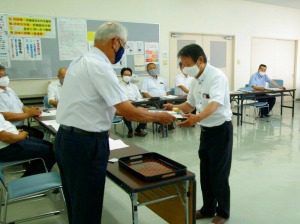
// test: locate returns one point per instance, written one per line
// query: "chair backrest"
(278, 82)
(172, 92)
(46, 104)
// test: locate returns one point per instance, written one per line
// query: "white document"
(17, 49)
(4, 51)
(273, 89)
(141, 100)
(33, 49)
(175, 114)
(139, 63)
(131, 47)
(139, 49)
(169, 97)
(3, 22)
(91, 45)
(72, 38)
(52, 123)
(48, 113)
(116, 144)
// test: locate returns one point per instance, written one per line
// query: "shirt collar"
(124, 83)
(204, 73)
(100, 53)
(2, 90)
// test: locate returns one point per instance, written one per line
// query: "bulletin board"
(35, 47)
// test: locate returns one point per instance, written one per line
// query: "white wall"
(232, 17)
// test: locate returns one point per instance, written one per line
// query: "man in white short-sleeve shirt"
(13, 109)
(154, 85)
(210, 89)
(54, 88)
(133, 93)
(90, 98)
(182, 82)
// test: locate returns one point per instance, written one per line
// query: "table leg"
(293, 109)
(281, 104)
(134, 204)
(186, 201)
(238, 110)
(242, 108)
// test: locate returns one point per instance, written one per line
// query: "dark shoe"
(140, 133)
(267, 115)
(200, 216)
(171, 127)
(130, 134)
(218, 220)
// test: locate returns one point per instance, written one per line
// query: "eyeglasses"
(124, 43)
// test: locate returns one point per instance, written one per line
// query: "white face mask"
(126, 78)
(261, 73)
(4, 81)
(192, 71)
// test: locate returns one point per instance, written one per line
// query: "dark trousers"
(82, 160)
(271, 101)
(139, 127)
(215, 154)
(33, 132)
(29, 149)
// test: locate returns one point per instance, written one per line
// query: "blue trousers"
(129, 125)
(215, 154)
(82, 160)
(29, 149)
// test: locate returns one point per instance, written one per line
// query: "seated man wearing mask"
(258, 82)
(54, 88)
(13, 109)
(133, 93)
(154, 86)
(16, 145)
(182, 82)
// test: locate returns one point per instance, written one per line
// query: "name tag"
(206, 96)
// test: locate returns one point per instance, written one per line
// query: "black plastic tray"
(160, 167)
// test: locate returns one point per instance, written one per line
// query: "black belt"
(83, 132)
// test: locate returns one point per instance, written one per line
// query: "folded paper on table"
(52, 123)
(169, 97)
(48, 113)
(116, 144)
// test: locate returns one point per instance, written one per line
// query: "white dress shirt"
(91, 89)
(155, 87)
(182, 80)
(10, 102)
(212, 86)
(54, 90)
(7, 127)
(131, 91)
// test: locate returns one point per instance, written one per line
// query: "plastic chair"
(28, 188)
(46, 103)
(256, 105)
(172, 92)
(119, 120)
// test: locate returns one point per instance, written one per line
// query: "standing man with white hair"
(90, 98)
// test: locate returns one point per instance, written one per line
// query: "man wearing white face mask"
(13, 109)
(154, 85)
(54, 88)
(258, 82)
(133, 93)
(182, 82)
(209, 89)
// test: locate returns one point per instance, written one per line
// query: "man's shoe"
(200, 216)
(218, 220)
(140, 133)
(130, 134)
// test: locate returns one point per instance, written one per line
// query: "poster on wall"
(31, 26)
(91, 37)
(122, 63)
(72, 38)
(4, 51)
(139, 63)
(152, 52)
(16, 46)
(33, 49)
(3, 22)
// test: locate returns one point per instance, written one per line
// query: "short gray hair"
(110, 30)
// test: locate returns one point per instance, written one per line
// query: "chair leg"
(5, 208)
(115, 128)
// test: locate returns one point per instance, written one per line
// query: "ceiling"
(285, 3)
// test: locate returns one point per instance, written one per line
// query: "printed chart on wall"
(4, 50)
(72, 38)
(31, 26)
(151, 52)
